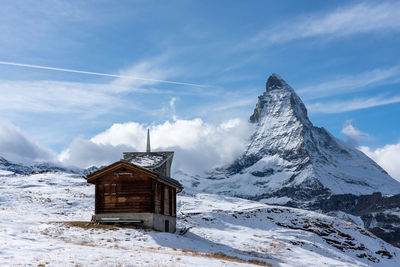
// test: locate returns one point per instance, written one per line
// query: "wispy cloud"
(235, 104)
(135, 76)
(355, 19)
(88, 99)
(56, 97)
(351, 83)
(354, 136)
(354, 104)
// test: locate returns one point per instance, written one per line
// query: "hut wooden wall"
(123, 194)
(137, 193)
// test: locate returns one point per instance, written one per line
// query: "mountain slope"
(44, 221)
(288, 160)
(10, 168)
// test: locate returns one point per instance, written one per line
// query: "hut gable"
(120, 169)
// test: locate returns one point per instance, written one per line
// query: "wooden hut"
(137, 190)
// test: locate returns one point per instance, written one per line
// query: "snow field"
(44, 219)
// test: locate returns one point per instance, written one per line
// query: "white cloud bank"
(198, 145)
(388, 157)
(15, 146)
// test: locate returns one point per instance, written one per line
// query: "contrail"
(97, 73)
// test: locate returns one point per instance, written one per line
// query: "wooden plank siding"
(122, 190)
(166, 200)
(133, 196)
(173, 202)
(121, 193)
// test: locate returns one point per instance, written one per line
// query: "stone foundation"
(154, 221)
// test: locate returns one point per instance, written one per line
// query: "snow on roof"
(147, 160)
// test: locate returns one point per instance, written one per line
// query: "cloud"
(244, 102)
(85, 153)
(15, 146)
(198, 145)
(56, 97)
(88, 99)
(354, 136)
(172, 108)
(345, 21)
(354, 104)
(351, 83)
(388, 157)
(136, 75)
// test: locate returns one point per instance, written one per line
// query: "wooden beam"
(153, 188)
(162, 198)
(170, 200)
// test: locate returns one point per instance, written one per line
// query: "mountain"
(290, 161)
(10, 167)
(17, 168)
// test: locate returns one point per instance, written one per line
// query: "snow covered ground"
(43, 220)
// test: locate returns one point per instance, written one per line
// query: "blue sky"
(342, 58)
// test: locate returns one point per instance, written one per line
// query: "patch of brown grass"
(222, 256)
(88, 225)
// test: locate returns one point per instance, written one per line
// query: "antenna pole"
(148, 141)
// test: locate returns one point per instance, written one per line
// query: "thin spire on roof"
(148, 141)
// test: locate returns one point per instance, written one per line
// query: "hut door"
(166, 226)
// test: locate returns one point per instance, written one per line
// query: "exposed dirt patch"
(222, 256)
(88, 225)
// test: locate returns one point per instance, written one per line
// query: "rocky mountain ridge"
(290, 161)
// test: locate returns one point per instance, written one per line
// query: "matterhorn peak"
(279, 100)
(290, 159)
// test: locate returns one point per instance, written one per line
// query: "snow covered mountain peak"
(279, 98)
(288, 160)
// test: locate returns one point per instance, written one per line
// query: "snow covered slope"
(288, 159)
(42, 222)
